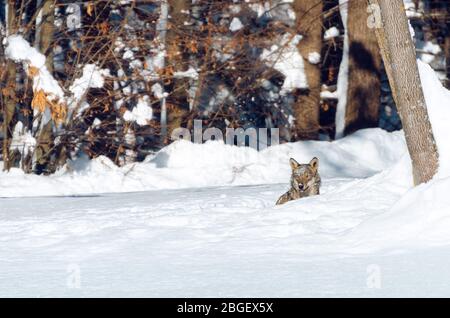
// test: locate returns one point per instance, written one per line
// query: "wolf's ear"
(314, 163)
(294, 164)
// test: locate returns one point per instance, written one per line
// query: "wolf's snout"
(301, 186)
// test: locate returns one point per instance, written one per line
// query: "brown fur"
(305, 181)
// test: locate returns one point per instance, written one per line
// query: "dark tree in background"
(178, 37)
(8, 89)
(363, 95)
(307, 106)
(44, 33)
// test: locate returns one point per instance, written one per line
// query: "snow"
(22, 140)
(184, 164)
(92, 77)
(204, 223)
(428, 51)
(286, 59)
(128, 55)
(438, 105)
(158, 91)
(19, 50)
(236, 25)
(280, 9)
(220, 242)
(420, 218)
(411, 10)
(259, 8)
(189, 73)
(329, 95)
(411, 31)
(73, 19)
(331, 33)
(97, 122)
(141, 113)
(314, 58)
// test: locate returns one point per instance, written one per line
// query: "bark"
(447, 54)
(178, 101)
(307, 106)
(363, 94)
(9, 96)
(47, 30)
(45, 138)
(161, 29)
(447, 45)
(398, 50)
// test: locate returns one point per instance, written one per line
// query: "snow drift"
(184, 165)
(421, 217)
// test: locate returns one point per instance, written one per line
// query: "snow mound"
(184, 164)
(421, 217)
(438, 105)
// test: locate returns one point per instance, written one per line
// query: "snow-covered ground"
(224, 241)
(205, 223)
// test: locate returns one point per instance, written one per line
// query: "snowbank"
(438, 105)
(184, 164)
(421, 217)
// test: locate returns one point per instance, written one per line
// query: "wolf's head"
(304, 175)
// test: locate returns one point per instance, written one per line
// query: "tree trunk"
(177, 101)
(47, 29)
(307, 106)
(447, 60)
(447, 52)
(45, 138)
(9, 95)
(161, 29)
(363, 95)
(398, 50)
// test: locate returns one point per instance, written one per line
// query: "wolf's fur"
(305, 181)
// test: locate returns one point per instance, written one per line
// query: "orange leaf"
(39, 101)
(32, 71)
(90, 9)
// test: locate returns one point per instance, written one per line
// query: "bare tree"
(307, 107)
(363, 94)
(178, 104)
(44, 147)
(447, 48)
(447, 57)
(9, 92)
(399, 58)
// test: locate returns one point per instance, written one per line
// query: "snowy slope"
(208, 242)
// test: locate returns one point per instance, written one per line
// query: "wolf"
(305, 181)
